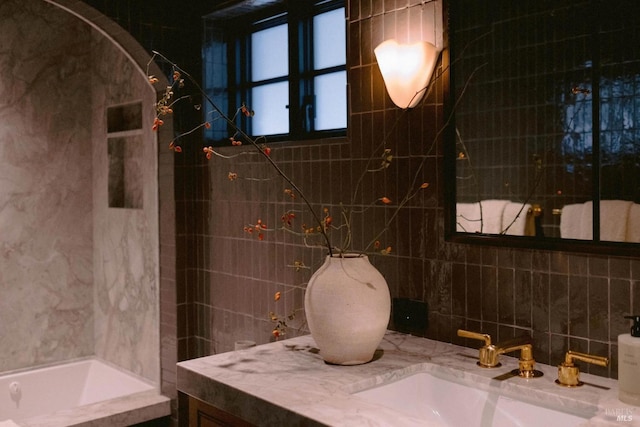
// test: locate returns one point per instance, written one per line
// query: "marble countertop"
(288, 383)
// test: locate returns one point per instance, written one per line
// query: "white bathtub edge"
(126, 410)
(62, 363)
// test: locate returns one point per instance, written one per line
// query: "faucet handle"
(569, 373)
(487, 355)
(476, 336)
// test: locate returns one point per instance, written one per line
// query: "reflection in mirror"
(546, 118)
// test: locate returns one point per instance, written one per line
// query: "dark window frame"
(235, 35)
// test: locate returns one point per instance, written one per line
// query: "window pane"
(329, 39)
(331, 101)
(269, 53)
(270, 104)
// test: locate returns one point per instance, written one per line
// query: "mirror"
(543, 146)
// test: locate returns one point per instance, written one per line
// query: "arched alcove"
(80, 275)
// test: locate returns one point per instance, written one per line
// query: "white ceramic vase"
(347, 305)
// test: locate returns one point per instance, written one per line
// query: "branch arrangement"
(379, 161)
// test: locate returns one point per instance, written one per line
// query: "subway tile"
(635, 269)
(489, 256)
(474, 292)
(559, 304)
(474, 255)
(540, 261)
(541, 346)
(365, 8)
(598, 308)
(620, 268)
(578, 265)
(613, 361)
(505, 332)
(540, 302)
(598, 348)
(619, 306)
(598, 266)
(578, 306)
(558, 346)
(506, 296)
(523, 295)
(635, 297)
(489, 294)
(559, 263)
(505, 258)
(354, 11)
(458, 289)
(490, 328)
(523, 260)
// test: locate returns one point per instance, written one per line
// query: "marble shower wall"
(77, 278)
(46, 218)
(125, 238)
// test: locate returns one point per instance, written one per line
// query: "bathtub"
(80, 393)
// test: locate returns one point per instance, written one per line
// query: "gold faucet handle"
(476, 336)
(569, 373)
(588, 358)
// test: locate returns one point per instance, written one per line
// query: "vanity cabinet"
(204, 415)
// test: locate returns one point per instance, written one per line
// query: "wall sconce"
(406, 70)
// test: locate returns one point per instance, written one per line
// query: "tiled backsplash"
(567, 301)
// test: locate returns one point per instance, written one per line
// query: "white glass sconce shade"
(406, 70)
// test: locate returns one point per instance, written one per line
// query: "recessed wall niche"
(124, 128)
(124, 117)
(125, 172)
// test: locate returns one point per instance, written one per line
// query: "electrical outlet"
(410, 316)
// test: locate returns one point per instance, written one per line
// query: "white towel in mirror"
(517, 219)
(571, 221)
(633, 224)
(487, 217)
(576, 221)
(468, 217)
(492, 211)
(586, 222)
(614, 215)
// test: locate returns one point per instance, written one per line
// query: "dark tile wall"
(565, 300)
(234, 288)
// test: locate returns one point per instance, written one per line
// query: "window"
(268, 81)
(330, 80)
(286, 64)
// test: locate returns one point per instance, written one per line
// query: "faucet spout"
(489, 354)
(526, 362)
(524, 344)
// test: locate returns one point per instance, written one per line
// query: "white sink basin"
(445, 402)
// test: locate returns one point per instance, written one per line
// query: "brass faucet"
(489, 354)
(569, 373)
